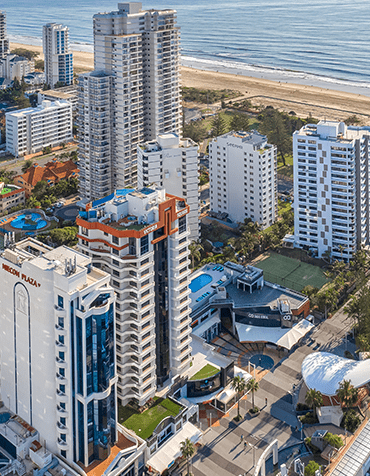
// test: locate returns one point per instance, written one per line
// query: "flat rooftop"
(267, 296)
(203, 354)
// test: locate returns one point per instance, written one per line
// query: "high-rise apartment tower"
(331, 188)
(140, 50)
(58, 58)
(141, 238)
(4, 42)
(57, 351)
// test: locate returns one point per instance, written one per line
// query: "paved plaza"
(222, 452)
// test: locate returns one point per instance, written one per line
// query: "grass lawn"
(291, 273)
(143, 424)
(206, 372)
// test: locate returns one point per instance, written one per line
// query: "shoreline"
(304, 99)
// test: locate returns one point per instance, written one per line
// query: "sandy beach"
(302, 99)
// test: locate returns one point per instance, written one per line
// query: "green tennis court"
(291, 273)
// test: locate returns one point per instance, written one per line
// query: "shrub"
(254, 410)
(351, 421)
(311, 468)
(333, 440)
(301, 407)
(311, 446)
(309, 419)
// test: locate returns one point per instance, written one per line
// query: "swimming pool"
(263, 361)
(199, 282)
(29, 221)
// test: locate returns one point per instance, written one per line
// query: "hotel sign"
(183, 212)
(20, 275)
(150, 229)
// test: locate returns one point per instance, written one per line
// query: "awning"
(283, 337)
(166, 456)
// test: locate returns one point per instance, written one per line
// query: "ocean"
(322, 43)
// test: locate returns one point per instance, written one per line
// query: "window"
(145, 261)
(185, 308)
(182, 270)
(146, 314)
(115, 252)
(144, 245)
(61, 302)
(115, 240)
(61, 322)
(182, 224)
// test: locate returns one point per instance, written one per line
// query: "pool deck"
(215, 275)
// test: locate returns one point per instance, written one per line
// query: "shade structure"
(283, 337)
(166, 456)
(324, 372)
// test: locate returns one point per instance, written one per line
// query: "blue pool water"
(199, 282)
(263, 361)
(20, 222)
(4, 417)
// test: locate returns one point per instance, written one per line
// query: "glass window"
(61, 322)
(60, 301)
(182, 224)
(144, 245)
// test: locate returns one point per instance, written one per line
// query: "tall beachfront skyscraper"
(4, 42)
(141, 237)
(331, 189)
(57, 348)
(140, 50)
(58, 58)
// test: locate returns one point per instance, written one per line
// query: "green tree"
(239, 384)
(311, 468)
(195, 252)
(40, 189)
(314, 399)
(187, 449)
(252, 386)
(347, 394)
(239, 122)
(195, 131)
(64, 236)
(40, 64)
(26, 165)
(219, 125)
(274, 127)
(24, 52)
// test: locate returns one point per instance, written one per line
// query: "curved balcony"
(61, 347)
(61, 363)
(61, 412)
(62, 428)
(61, 396)
(60, 331)
(62, 445)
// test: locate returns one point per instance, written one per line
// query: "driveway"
(69, 212)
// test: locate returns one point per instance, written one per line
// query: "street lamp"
(254, 453)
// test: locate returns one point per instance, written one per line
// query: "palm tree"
(239, 384)
(314, 399)
(187, 449)
(347, 394)
(252, 386)
(195, 251)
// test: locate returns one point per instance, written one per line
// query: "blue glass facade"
(99, 351)
(96, 419)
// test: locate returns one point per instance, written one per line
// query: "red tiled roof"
(52, 172)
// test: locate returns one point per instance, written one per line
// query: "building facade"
(140, 50)
(95, 134)
(172, 163)
(331, 191)
(243, 177)
(11, 196)
(4, 42)
(141, 238)
(57, 348)
(30, 130)
(13, 66)
(58, 58)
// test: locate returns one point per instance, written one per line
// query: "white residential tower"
(58, 58)
(172, 163)
(243, 177)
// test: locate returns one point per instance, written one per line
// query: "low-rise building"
(59, 95)
(243, 177)
(37, 78)
(254, 310)
(11, 196)
(14, 66)
(172, 163)
(52, 173)
(30, 130)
